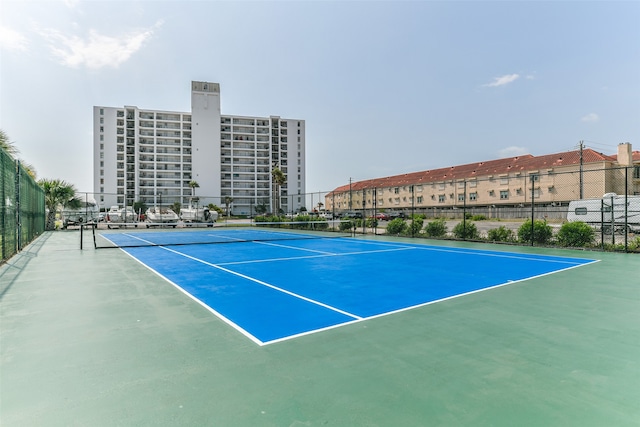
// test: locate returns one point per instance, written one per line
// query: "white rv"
(611, 212)
(87, 212)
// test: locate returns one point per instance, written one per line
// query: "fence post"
(18, 208)
(533, 191)
(626, 213)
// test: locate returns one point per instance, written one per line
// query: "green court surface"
(93, 338)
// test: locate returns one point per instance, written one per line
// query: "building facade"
(157, 157)
(553, 180)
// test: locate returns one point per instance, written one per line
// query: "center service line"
(258, 281)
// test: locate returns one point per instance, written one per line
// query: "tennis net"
(128, 235)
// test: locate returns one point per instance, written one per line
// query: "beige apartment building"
(548, 180)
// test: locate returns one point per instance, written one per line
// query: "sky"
(385, 87)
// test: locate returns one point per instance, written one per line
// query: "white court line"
(313, 256)
(260, 282)
(465, 251)
(279, 245)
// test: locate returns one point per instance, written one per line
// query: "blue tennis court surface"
(275, 290)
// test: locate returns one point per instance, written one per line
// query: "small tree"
(500, 234)
(279, 179)
(213, 207)
(436, 228)
(542, 232)
(176, 207)
(7, 145)
(466, 230)
(57, 194)
(415, 226)
(396, 226)
(262, 207)
(193, 184)
(227, 204)
(575, 234)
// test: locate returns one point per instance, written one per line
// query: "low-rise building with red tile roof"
(552, 179)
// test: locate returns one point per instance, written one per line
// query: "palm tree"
(57, 193)
(227, 202)
(7, 145)
(10, 148)
(193, 184)
(279, 178)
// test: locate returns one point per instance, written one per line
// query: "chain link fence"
(532, 207)
(520, 207)
(22, 215)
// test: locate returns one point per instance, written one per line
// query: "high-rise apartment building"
(156, 157)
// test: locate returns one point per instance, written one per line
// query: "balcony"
(171, 117)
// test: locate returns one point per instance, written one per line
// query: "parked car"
(352, 215)
(394, 215)
(381, 216)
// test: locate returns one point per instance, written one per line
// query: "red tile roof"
(635, 156)
(522, 164)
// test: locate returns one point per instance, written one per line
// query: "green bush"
(347, 225)
(542, 232)
(396, 226)
(436, 228)
(371, 223)
(478, 218)
(634, 245)
(500, 234)
(466, 230)
(415, 226)
(269, 218)
(575, 234)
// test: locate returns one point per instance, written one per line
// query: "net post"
(81, 239)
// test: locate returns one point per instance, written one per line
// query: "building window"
(461, 197)
(102, 112)
(441, 198)
(636, 172)
(473, 196)
(419, 199)
(504, 194)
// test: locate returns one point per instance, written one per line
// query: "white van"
(608, 212)
(87, 212)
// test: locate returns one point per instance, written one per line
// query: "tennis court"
(273, 285)
(285, 330)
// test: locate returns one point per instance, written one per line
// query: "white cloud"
(512, 151)
(96, 50)
(12, 40)
(503, 80)
(590, 118)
